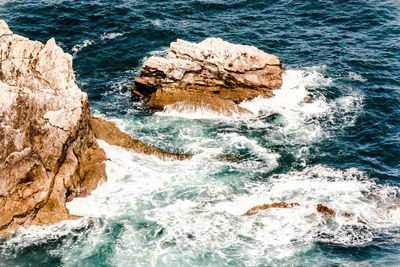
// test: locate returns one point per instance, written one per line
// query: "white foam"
(302, 112)
(42, 234)
(343, 191)
(159, 53)
(77, 48)
(292, 96)
(356, 77)
(156, 22)
(110, 35)
(188, 211)
(189, 111)
(204, 224)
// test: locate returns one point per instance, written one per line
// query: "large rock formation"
(47, 148)
(213, 74)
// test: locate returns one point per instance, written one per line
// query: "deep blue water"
(336, 149)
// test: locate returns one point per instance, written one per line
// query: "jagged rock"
(110, 133)
(214, 74)
(281, 205)
(47, 149)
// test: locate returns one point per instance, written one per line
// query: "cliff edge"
(48, 151)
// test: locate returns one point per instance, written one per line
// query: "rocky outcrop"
(213, 74)
(109, 132)
(48, 152)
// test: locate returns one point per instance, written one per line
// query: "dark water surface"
(335, 149)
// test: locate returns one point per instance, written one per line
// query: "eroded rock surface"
(213, 74)
(47, 149)
(109, 132)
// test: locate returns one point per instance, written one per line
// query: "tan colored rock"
(110, 133)
(373, 196)
(326, 211)
(213, 73)
(320, 209)
(47, 148)
(281, 205)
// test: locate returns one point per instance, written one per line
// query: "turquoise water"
(335, 149)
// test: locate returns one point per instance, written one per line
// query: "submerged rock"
(281, 205)
(326, 211)
(213, 74)
(320, 209)
(47, 149)
(109, 132)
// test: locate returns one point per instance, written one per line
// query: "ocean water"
(336, 149)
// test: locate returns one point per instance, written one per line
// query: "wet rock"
(325, 210)
(320, 209)
(347, 214)
(47, 149)
(388, 209)
(80, 192)
(203, 103)
(374, 197)
(110, 133)
(229, 157)
(212, 74)
(392, 202)
(281, 205)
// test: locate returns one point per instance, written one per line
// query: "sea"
(338, 148)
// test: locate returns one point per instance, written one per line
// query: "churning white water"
(191, 211)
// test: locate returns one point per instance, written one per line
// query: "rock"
(347, 214)
(373, 196)
(326, 211)
(194, 103)
(320, 208)
(212, 74)
(110, 133)
(281, 205)
(388, 209)
(47, 149)
(230, 157)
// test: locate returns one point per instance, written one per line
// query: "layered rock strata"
(213, 74)
(47, 149)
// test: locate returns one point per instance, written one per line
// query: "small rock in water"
(281, 205)
(374, 197)
(325, 210)
(230, 157)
